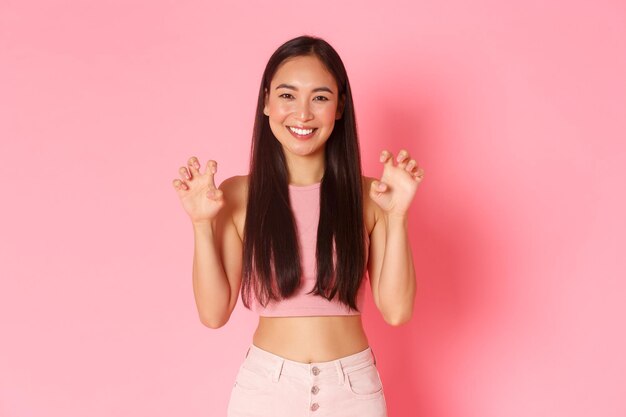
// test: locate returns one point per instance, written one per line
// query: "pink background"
(516, 110)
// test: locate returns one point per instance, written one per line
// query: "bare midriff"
(311, 339)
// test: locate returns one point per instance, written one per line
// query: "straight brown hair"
(271, 266)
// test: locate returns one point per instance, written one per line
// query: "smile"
(301, 133)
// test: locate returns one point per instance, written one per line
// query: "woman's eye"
(284, 95)
(321, 98)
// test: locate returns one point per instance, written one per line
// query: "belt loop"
(277, 370)
(374, 356)
(340, 373)
(248, 351)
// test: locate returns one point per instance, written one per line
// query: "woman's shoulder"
(235, 184)
(235, 190)
(370, 209)
(367, 182)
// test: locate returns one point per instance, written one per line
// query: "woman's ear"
(266, 110)
(340, 107)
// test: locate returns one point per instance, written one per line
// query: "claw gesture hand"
(200, 198)
(398, 184)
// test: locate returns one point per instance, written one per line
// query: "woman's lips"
(301, 136)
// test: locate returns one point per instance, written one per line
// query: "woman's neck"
(305, 170)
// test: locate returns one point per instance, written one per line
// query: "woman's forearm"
(396, 287)
(210, 284)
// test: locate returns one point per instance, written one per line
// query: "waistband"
(274, 366)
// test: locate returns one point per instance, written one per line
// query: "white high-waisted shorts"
(268, 385)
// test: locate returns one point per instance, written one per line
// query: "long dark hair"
(270, 243)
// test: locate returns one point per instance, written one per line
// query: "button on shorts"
(268, 385)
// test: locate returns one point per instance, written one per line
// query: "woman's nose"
(303, 111)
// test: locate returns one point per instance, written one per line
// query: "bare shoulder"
(235, 186)
(367, 182)
(235, 191)
(371, 211)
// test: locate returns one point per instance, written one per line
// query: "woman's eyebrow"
(291, 87)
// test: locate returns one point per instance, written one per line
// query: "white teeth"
(301, 132)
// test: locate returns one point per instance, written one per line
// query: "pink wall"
(515, 109)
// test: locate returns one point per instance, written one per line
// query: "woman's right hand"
(200, 198)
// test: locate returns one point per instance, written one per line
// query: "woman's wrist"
(203, 226)
(399, 218)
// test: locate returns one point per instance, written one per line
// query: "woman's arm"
(217, 245)
(217, 260)
(391, 271)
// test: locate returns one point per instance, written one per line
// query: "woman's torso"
(312, 338)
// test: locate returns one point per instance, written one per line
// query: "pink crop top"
(306, 209)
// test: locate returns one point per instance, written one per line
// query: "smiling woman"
(302, 104)
(298, 241)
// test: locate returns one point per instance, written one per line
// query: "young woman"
(298, 239)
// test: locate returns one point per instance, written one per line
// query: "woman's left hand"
(398, 184)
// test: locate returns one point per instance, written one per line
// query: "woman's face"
(303, 104)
